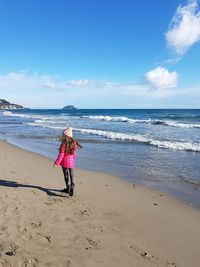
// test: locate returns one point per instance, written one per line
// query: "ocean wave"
(46, 121)
(138, 138)
(148, 121)
(44, 125)
(42, 119)
(117, 119)
(39, 120)
(11, 114)
(176, 124)
(174, 145)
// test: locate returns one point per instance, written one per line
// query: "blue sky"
(100, 54)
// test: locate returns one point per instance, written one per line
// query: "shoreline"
(108, 222)
(183, 191)
(105, 173)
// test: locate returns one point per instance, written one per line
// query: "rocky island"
(4, 104)
(70, 107)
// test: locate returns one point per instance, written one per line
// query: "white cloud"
(50, 85)
(184, 28)
(81, 83)
(15, 80)
(36, 90)
(161, 78)
(22, 83)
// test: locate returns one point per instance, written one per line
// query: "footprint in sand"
(29, 263)
(152, 258)
(3, 228)
(143, 253)
(171, 263)
(48, 264)
(25, 233)
(52, 201)
(91, 243)
(66, 263)
(45, 238)
(35, 225)
(15, 211)
(111, 213)
(35, 192)
(98, 227)
(71, 202)
(67, 219)
(4, 263)
(84, 212)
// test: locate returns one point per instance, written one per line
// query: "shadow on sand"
(48, 191)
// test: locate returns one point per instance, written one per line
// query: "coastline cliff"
(4, 104)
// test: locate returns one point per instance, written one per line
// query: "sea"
(158, 148)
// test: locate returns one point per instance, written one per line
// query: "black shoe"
(71, 190)
(65, 190)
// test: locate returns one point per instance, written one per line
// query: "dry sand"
(107, 223)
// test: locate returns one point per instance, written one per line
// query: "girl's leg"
(71, 174)
(66, 176)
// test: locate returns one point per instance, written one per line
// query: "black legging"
(68, 172)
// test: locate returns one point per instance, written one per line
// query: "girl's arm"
(60, 155)
(78, 145)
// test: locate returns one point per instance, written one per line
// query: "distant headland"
(4, 104)
(71, 107)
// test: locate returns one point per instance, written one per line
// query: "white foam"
(45, 121)
(51, 120)
(187, 146)
(39, 119)
(44, 125)
(116, 119)
(10, 114)
(181, 125)
(151, 121)
(184, 146)
(7, 113)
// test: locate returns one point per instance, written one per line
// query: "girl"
(66, 157)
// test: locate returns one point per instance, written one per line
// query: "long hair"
(68, 144)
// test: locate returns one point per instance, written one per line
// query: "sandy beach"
(108, 222)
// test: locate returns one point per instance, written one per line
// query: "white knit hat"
(68, 132)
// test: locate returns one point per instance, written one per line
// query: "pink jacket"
(64, 159)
